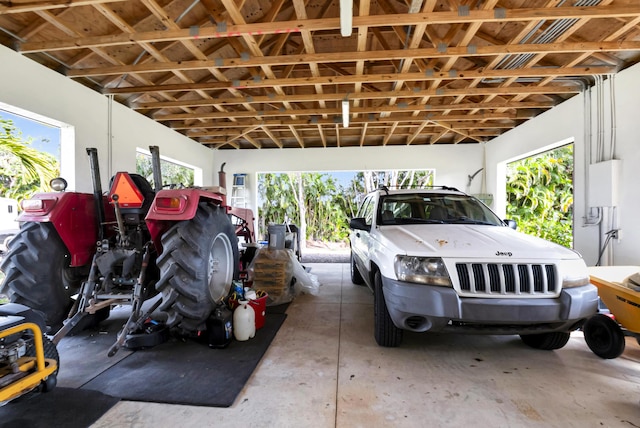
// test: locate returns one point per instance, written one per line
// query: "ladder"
(238, 191)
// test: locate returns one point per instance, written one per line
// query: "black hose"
(610, 235)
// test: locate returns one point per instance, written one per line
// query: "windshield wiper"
(418, 221)
(467, 220)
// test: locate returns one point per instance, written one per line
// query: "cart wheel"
(604, 336)
(49, 383)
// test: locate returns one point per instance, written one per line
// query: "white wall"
(453, 164)
(567, 122)
(32, 87)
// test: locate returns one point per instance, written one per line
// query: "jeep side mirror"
(358, 223)
(511, 223)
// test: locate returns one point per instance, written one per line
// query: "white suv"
(440, 260)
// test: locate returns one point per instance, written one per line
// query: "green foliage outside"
(324, 204)
(540, 195)
(172, 174)
(23, 170)
(324, 215)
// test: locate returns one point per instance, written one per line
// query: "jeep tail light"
(129, 196)
(173, 204)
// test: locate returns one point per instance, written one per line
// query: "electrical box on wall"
(603, 183)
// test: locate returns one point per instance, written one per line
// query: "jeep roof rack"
(387, 188)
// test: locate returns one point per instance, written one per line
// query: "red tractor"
(78, 254)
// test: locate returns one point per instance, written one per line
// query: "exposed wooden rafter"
(252, 74)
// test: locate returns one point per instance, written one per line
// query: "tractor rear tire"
(197, 266)
(37, 272)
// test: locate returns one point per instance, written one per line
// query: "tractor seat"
(147, 193)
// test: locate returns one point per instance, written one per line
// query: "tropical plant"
(308, 200)
(540, 195)
(318, 204)
(23, 169)
(368, 181)
(172, 174)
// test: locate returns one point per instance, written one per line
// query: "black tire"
(385, 331)
(190, 283)
(356, 278)
(37, 272)
(546, 341)
(50, 351)
(604, 336)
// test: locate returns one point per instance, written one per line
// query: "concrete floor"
(324, 369)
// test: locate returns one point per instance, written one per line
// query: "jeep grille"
(506, 279)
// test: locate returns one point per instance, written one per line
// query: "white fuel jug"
(244, 321)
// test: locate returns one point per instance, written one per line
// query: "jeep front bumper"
(422, 308)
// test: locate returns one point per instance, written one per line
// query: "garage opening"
(174, 173)
(540, 194)
(320, 204)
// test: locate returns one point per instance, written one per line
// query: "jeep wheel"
(197, 265)
(604, 336)
(38, 273)
(356, 278)
(386, 333)
(546, 341)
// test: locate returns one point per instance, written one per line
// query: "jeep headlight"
(574, 273)
(423, 270)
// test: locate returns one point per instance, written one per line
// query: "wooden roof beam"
(447, 17)
(8, 7)
(545, 48)
(383, 95)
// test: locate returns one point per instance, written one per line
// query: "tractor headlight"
(58, 184)
(574, 273)
(422, 270)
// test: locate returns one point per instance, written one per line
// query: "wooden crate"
(272, 272)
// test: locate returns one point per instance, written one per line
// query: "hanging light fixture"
(345, 113)
(346, 17)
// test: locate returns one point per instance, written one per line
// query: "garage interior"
(453, 85)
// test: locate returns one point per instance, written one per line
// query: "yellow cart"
(605, 332)
(28, 359)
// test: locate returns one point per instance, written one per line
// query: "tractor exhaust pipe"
(155, 165)
(97, 189)
(222, 182)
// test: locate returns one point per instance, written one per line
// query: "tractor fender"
(173, 205)
(74, 217)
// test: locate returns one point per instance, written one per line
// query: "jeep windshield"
(434, 208)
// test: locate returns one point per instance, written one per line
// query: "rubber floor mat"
(62, 407)
(187, 372)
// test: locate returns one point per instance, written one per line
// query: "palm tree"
(21, 164)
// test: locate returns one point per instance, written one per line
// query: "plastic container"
(244, 321)
(276, 236)
(260, 308)
(220, 327)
